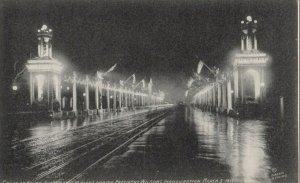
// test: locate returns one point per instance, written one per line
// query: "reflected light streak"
(241, 145)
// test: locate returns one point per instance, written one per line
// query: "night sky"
(158, 39)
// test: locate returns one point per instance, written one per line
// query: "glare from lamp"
(44, 27)
(15, 87)
(249, 18)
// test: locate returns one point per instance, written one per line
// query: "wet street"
(193, 145)
(162, 144)
(59, 149)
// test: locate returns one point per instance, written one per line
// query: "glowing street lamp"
(83, 94)
(249, 18)
(15, 87)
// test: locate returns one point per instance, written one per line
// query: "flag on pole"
(111, 69)
(200, 65)
(100, 74)
(121, 82)
(190, 82)
(186, 93)
(133, 80)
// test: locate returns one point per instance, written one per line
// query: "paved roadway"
(193, 145)
(184, 144)
(58, 150)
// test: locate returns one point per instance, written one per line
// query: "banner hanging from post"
(199, 68)
(111, 69)
(186, 93)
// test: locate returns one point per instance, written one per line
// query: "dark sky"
(158, 39)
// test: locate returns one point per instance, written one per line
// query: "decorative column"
(210, 99)
(101, 94)
(242, 43)
(214, 97)
(254, 27)
(50, 50)
(115, 99)
(120, 98)
(87, 99)
(224, 96)
(129, 98)
(242, 87)
(229, 99)
(219, 96)
(31, 87)
(74, 93)
(39, 47)
(236, 84)
(59, 92)
(255, 42)
(248, 42)
(47, 48)
(108, 97)
(97, 95)
(132, 99)
(126, 97)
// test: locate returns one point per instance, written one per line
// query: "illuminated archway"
(251, 84)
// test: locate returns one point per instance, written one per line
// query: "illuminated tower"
(248, 38)
(249, 67)
(45, 74)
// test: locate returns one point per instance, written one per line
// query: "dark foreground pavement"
(182, 144)
(59, 150)
(193, 145)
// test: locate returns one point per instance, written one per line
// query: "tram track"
(45, 140)
(28, 140)
(46, 169)
(108, 155)
(105, 137)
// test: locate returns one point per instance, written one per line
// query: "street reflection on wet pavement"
(191, 144)
(184, 144)
(56, 150)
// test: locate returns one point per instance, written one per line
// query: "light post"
(14, 85)
(100, 76)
